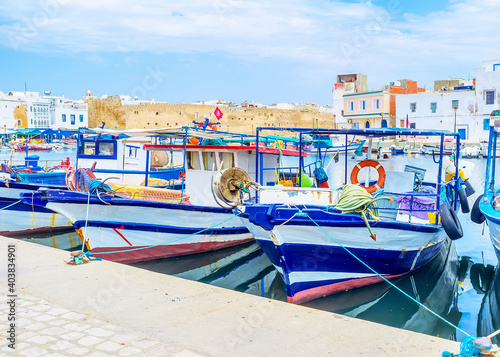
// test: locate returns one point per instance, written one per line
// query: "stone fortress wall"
(115, 114)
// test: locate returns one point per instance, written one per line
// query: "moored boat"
(194, 221)
(487, 206)
(321, 246)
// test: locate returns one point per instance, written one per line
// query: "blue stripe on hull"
(21, 207)
(160, 228)
(317, 258)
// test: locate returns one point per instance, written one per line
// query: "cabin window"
(193, 161)
(88, 148)
(132, 151)
(105, 149)
(226, 159)
(209, 161)
(490, 97)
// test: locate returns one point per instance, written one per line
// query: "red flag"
(218, 113)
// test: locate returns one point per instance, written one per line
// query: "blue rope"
(15, 203)
(172, 241)
(394, 286)
(467, 349)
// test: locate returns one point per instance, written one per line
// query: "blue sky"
(236, 50)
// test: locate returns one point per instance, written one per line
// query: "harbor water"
(455, 285)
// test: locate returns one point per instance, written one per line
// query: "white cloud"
(324, 35)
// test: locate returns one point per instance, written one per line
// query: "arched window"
(367, 124)
(384, 123)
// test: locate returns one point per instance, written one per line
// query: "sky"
(235, 50)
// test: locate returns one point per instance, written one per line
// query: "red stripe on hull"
(162, 251)
(322, 291)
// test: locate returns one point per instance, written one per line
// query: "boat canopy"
(373, 132)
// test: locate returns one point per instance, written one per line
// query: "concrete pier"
(108, 309)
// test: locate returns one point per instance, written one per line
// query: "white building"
(68, 114)
(41, 112)
(346, 84)
(473, 104)
(436, 110)
(487, 92)
(8, 104)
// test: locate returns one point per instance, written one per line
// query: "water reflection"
(489, 313)
(244, 268)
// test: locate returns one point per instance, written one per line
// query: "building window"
(72, 116)
(376, 104)
(362, 105)
(496, 66)
(402, 123)
(350, 106)
(81, 118)
(490, 97)
(196, 115)
(355, 125)
(433, 107)
(413, 107)
(486, 124)
(454, 104)
(64, 118)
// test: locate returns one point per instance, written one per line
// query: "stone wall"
(114, 114)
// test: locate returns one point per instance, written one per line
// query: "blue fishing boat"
(324, 240)
(487, 206)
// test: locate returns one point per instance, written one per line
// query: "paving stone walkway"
(43, 329)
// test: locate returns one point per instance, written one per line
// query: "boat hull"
(493, 219)
(18, 219)
(128, 231)
(313, 264)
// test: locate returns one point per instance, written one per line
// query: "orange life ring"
(370, 163)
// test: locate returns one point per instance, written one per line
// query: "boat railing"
(391, 208)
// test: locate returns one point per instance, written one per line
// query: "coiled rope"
(355, 199)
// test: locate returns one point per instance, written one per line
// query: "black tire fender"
(464, 203)
(475, 214)
(450, 222)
